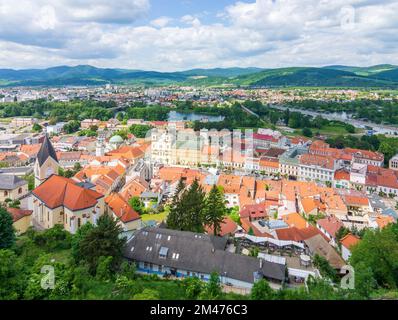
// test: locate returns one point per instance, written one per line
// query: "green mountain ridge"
(379, 76)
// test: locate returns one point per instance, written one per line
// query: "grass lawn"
(158, 216)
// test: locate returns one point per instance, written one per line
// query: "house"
(295, 220)
(186, 254)
(150, 199)
(59, 200)
(346, 245)
(87, 123)
(318, 245)
(228, 227)
(22, 219)
(254, 212)
(12, 187)
(133, 188)
(126, 216)
(329, 226)
(296, 234)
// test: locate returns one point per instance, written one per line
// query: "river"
(178, 116)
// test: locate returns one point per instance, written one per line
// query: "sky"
(173, 35)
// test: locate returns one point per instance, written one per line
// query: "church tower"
(100, 147)
(46, 163)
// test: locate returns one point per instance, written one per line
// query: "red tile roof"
(18, 214)
(228, 226)
(349, 240)
(330, 224)
(295, 234)
(121, 208)
(58, 191)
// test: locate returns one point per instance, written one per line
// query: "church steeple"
(46, 150)
(46, 163)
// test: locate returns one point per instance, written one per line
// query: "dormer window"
(163, 252)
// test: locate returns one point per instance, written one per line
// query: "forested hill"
(381, 76)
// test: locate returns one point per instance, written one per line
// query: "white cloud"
(161, 22)
(266, 33)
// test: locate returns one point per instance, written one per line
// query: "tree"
(349, 128)
(193, 287)
(386, 149)
(139, 130)
(36, 127)
(12, 277)
(72, 126)
(147, 294)
(341, 233)
(214, 209)
(7, 235)
(324, 267)
(104, 270)
(377, 253)
(212, 289)
(307, 132)
(186, 212)
(254, 252)
(174, 219)
(261, 291)
(137, 205)
(102, 240)
(77, 167)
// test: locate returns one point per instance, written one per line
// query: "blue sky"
(208, 9)
(169, 35)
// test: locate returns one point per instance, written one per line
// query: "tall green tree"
(212, 289)
(215, 209)
(187, 209)
(377, 254)
(101, 241)
(261, 290)
(7, 235)
(176, 216)
(12, 277)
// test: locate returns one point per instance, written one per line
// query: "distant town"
(262, 198)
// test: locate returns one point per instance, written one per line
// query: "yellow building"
(22, 219)
(60, 200)
(12, 187)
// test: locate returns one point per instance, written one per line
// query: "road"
(384, 129)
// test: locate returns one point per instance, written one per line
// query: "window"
(5, 193)
(20, 190)
(163, 252)
(78, 222)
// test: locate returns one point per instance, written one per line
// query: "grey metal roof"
(46, 150)
(10, 182)
(197, 253)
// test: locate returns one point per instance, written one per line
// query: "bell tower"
(46, 162)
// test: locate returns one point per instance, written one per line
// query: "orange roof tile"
(228, 226)
(349, 240)
(121, 208)
(58, 191)
(295, 220)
